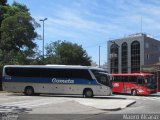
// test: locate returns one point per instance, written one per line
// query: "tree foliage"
(3, 2)
(17, 46)
(17, 34)
(63, 52)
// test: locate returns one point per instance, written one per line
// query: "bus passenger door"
(117, 84)
(130, 83)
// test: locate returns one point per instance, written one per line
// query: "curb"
(131, 104)
(115, 109)
(120, 108)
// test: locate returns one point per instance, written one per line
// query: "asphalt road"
(50, 107)
(144, 104)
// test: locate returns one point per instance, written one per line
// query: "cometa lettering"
(54, 80)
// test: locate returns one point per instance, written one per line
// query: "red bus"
(134, 83)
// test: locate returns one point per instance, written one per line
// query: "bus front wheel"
(88, 93)
(29, 91)
(134, 92)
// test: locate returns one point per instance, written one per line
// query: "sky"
(91, 23)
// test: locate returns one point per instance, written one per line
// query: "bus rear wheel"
(88, 93)
(134, 92)
(29, 91)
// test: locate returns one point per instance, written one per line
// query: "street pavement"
(102, 103)
(77, 107)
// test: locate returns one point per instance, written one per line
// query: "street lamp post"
(43, 34)
(99, 55)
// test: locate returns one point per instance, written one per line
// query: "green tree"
(63, 52)
(3, 2)
(17, 34)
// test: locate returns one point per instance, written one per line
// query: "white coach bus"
(56, 79)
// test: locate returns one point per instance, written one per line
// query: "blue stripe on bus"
(48, 80)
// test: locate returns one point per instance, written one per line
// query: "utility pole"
(43, 35)
(141, 24)
(99, 56)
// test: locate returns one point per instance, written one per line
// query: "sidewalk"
(106, 104)
(103, 103)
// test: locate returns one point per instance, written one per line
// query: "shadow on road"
(114, 96)
(71, 96)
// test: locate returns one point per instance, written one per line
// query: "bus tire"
(88, 93)
(29, 91)
(134, 92)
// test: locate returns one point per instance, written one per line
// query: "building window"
(124, 58)
(135, 56)
(147, 45)
(114, 58)
(147, 56)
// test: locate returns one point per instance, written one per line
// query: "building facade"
(127, 55)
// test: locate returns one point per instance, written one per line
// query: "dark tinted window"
(140, 80)
(117, 79)
(133, 79)
(114, 58)
(97, 73)
(124, 57)
(79, 73)
(102, 78)
(48, 72)
(135, 56)
(125, 78)
(35, 72)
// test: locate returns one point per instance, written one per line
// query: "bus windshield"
(150, 82)
(102, 77)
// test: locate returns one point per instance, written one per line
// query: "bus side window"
(133, 79)
(81, 74)
(117, 79)
(140, 80)
(125, 79)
